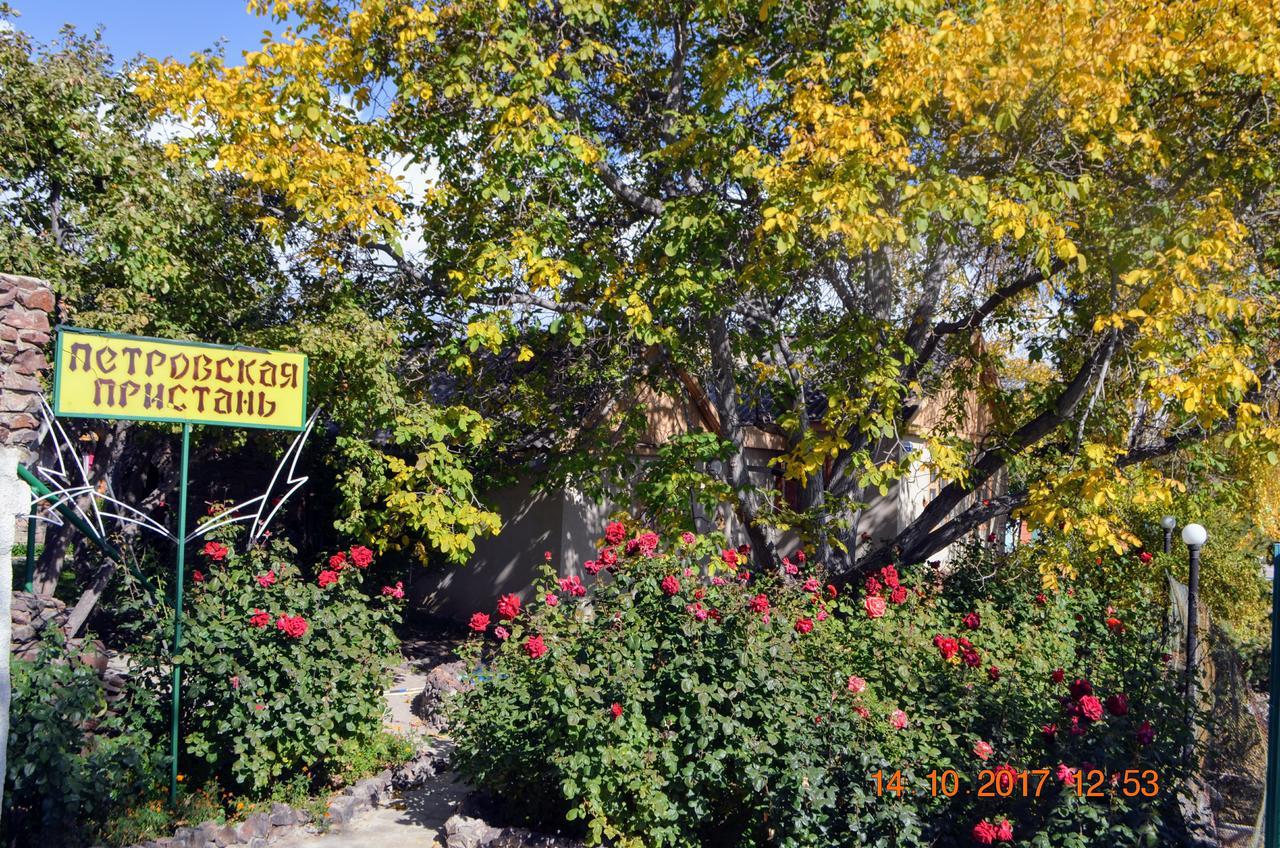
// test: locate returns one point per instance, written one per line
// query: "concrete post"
(15, 500)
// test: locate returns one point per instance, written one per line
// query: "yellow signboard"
(105, 375)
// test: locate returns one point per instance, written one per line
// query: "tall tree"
(811, 213)
(136, 238)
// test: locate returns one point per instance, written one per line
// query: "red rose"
(268, 579)
(946, 646)
(361, 556)
(609, 557)
(1049, 732)
(215, 551)
(800, 555)
(984, 833)
(259, 619)
(479, 622)
(1145, 733)
(508, 607)
(1145, 557)
(573, 585)
(592, 566)
(396, 591)
(1118, 704)
(615, 532)
(293, 626)
(874, 605)
(1090, 707)
(972, 621)
(1115, 625)
(338, 561)
(993, 673)
(889, 576)
(898, 595)
(873, 586)
(616, 709)
(327, 578)
(648, 543)
(1004, 832)
(535, 647)
(1058, 675)
(811, 585)
(729, 557)
(1042, 599)
(1080, 687)
(804, 625)
(670, 584)
(831, 590)
(197, 576)
(759, 604)
(971, 657)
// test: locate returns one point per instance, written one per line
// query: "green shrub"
(71, 760)
(669, 705)
(283, 673)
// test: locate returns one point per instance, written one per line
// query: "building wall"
(507, 562)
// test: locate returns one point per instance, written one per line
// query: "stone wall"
(25, 304)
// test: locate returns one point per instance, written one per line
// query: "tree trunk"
(737, 474)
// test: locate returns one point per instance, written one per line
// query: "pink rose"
(875, 606)
(982, 749)
(856, 684)
(670, 584)
(502, 633)
(898, 720)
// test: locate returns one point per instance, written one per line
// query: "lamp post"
(1168, 523)
(1193, 536)
(1271, 815)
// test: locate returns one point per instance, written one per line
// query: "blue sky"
(154, 27)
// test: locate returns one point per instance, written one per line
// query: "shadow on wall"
(533, 523)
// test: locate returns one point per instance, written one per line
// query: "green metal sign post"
(1271, 815)
(180, 572)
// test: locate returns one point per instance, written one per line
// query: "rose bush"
(686, 701)
(283, 671)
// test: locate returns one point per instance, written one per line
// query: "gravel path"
(416, 819)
